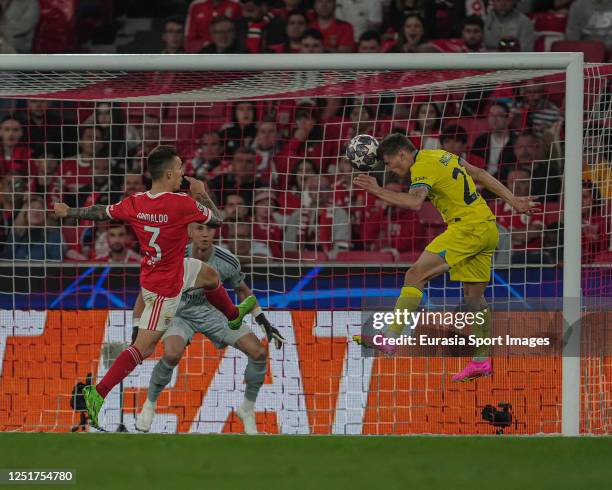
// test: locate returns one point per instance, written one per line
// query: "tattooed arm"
(93, 213)
(198, 192)
(411, 200)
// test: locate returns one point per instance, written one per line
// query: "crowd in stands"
(276, 167)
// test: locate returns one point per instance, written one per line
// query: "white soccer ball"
(361, 152)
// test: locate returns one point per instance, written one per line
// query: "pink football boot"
(475, 369)
(368, 341)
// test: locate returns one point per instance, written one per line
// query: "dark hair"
(402, 36)
(370, 36)
(392, 144)
(292, 182)
(174, 19)
(473, 20)
(501, 104)
(298, 11)
(246, 149)
(159, 160)
(526, 134)
(219, 19)
(11, 117)
(453, 132)
(91, 126)
(437, 120)
(313, 33)
(243, 102)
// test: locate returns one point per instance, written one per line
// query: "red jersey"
(200, 15)
(76, 173)
(338, 34)
(160, 222)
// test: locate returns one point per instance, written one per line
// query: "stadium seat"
(549, 27)
(358, 256)
(603, 257)
(594, 51)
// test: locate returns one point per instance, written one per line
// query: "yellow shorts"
(468, 250)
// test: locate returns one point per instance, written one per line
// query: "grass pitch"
(218, 462)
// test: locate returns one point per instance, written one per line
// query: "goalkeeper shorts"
(468, 250)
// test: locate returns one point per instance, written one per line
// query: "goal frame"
(571, 63)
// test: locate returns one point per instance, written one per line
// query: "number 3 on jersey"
(468, 197)
(155, 233)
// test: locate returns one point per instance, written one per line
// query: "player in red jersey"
(160, 218)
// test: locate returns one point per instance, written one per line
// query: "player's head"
(165, 167)
(116, 237)
(396, 152)
(453, 139)
(472, 31)
(201, 236)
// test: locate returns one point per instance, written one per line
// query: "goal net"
(316, 250)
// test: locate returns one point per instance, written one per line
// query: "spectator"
(337, 34)
(453, 139)
(472, 34)
(427, 126)
(288, 6)
(121, 138)
(412, 37)
(206, 159)
(590, 20)
(267, 146)
(101, 188)
(173, 36)
(240, 177)
(224, 38)
(424, 9)
(311, 42)
(292, 197)
(76, 172)
(363, 15)
(369, 42)
(234, 208)
(15, 155)
(318, 224)
(505, 25)
(43, 129)
(30, 238)
(259, 27)
(495, 146)
(533, 111)
(7, 207)
(265, 223)
(200, 16)
(149, 135)
(546, 174)
(241, 131)
(118, 249)
(597, 161)
(525, 230)
(133, 183)
(239, 241)
(48, 181)
(296, 25)
(18, 23)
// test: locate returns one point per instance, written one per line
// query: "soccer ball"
(361, 152)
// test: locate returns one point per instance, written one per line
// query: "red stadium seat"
(594, 51)
(603, 258)
(473, 126)
(549, 27)
(358, 256)
(409, 257)
(552, 213)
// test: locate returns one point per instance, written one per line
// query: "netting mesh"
(313, 247)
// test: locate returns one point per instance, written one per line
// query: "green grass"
(146, 461)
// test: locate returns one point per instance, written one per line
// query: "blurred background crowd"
(275, 167)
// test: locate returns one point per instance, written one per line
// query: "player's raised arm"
(198, 192)
(523, 205)
(411, 200)
(96, 212)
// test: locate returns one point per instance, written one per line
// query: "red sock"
(219, 298)
(123, 365)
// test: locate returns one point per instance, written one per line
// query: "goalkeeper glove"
(271, 332)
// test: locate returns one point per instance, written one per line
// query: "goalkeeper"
(465, 248)
(195, 314)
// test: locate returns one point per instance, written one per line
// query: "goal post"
(277, 77)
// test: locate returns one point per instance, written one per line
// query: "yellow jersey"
(451, 189)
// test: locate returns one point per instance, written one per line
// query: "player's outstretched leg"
(254, 376)
(480, 365)
(174, 347)
(427, 266)
(216, 294)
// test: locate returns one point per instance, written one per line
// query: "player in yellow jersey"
(465, 248)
